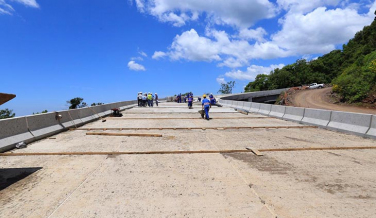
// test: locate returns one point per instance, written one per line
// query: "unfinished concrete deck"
(336, 183)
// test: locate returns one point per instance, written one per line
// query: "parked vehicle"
(316, 86)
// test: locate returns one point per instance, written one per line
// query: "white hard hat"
(156, 93)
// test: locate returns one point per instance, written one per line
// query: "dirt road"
(318, 99)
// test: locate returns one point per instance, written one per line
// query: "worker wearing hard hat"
(206, 106)
(150, 100)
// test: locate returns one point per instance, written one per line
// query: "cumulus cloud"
(315, 32)
(239, 13)
(132, 65)
(253, 34)
(158, 54)
(218, 46)
(251, 72)
(320, 30)
(302, 7)
(6, 8)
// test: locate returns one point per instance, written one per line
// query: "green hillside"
(351, 70)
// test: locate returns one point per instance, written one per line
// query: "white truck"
(316, 86)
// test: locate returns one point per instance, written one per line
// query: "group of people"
(147, 99)
(206, 102)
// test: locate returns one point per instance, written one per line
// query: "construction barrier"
(317, 117)
(255, 107)
(277, 111)
(30, 128)
(294, 113)
(372, 129)
(247, 106)
(14, 130)
(350, 122)
(265, 109)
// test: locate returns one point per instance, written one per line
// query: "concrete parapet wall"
(277, 111)
(350, 122)
(317, 117)
(31, 128)
(265, 109)
(13, 130)
(239, 104)
(43, 125)
(294, 113)
(255, 107)
(247, 106)
(372, 130)
(353, 123)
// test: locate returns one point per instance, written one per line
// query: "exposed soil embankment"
(321, 99)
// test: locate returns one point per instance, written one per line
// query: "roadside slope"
(317, 99)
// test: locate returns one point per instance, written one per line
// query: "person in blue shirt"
(206, 106)
(212, 99)
(190, 101)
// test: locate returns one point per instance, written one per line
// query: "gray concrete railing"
(353, 123)
(34, 127)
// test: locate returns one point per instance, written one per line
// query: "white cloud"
(189, 45)
(142, 53)
(239, 13)
(302, 7)
(316, 32)
(30, 3)
(217, 46)
(221, 80)
(6, 8)
(320, 30)
(251, 72)
(158, 54)
(135, 66)
(253, 34)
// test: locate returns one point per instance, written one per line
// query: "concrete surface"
(279, 184)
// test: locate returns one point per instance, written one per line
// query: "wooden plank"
(184, 152)
(183, 118)
(315, 148)
(189, 128)
(124, 134)
(255, 151)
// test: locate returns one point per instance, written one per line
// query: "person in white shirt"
(139, 99)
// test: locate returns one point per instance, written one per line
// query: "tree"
(6, 113)
(43, 112)
(96, 104)
(75, 103)
(226, 88)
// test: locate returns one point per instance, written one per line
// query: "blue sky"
(107, 51)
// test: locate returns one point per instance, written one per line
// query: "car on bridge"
(316, 86)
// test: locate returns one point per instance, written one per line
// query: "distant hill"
(352, 70)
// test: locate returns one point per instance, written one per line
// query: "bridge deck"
(336, 183)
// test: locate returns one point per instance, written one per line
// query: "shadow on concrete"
(9, 176)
